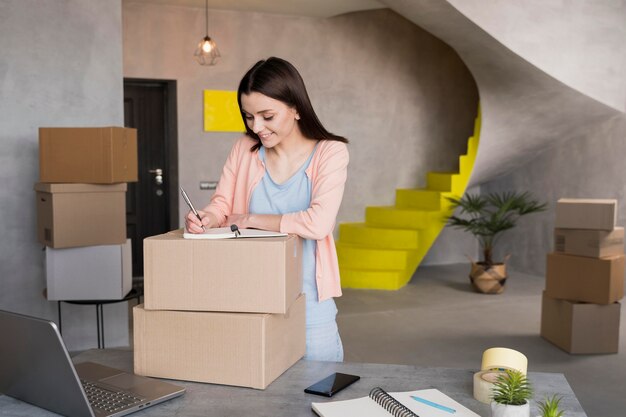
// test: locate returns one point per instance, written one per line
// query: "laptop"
(35, 367)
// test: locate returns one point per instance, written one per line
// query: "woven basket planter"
(488, 279)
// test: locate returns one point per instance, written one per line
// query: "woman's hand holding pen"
(195, 225)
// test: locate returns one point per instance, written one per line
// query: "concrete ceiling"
(311, 8)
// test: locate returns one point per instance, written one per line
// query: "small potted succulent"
(550, 407)
(511, 394)
(487, 216)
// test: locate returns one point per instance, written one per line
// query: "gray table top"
(285, 396)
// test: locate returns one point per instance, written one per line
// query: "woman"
(288, 175)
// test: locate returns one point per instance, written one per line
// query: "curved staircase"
(384, 251)
(538, 89)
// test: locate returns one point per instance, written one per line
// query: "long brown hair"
(278, 79)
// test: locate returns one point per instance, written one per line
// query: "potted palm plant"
(487, 217)
(511, 394)
(550, 407)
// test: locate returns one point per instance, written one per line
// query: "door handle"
(158, 177)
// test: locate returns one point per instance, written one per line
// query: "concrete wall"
(524, 108)
(60, 65)
(579, 43)
(590, 165)
(453, 246)
(403, 98)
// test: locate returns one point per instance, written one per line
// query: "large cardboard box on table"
(580, 327)
(580, 213)
(72, 215)
(588, 242)
(258, 275)
(93, 155)
(579, 278)
(89, 273)
(242, 349)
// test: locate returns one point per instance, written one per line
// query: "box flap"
(79, 188)
(588, 200)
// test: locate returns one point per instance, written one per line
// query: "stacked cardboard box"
(81, 210)
(224, 311)
(584, 278)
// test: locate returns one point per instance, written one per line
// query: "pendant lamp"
(207, 52)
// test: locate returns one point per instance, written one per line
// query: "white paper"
(366, 407)
(226, 233)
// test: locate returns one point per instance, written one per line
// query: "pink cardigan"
(328, 172)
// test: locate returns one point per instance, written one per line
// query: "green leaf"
(512, 388)
(549, 407)
(487, 216)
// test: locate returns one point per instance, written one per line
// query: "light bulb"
(206, 46)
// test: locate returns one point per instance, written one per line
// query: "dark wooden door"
(151, 203)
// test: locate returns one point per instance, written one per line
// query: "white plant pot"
(503, 410)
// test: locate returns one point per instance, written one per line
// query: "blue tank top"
(291, 196)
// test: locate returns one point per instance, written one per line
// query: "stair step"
(472, 145)
(377, 237)
(383, 252)
(361, 257)
(423, 199)
(466, 164)
(477, 125)
(444, 181)
(401, 218)
(376, 280)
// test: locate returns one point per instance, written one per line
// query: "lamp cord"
(206, 21)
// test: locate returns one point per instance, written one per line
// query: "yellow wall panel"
(221, 112)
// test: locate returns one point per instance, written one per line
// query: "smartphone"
(332, 384)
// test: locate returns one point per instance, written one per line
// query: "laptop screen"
(39, 370)
(36, 368)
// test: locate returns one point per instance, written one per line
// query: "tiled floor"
(437, 320)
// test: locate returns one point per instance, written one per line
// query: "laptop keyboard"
(108, 400)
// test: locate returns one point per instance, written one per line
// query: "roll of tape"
(483, 383)
(495, 362)
(503, 358)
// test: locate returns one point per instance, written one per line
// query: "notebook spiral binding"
(393, 406)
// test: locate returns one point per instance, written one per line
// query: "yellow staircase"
(384, 252)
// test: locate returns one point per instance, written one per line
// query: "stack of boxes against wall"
(81, 210)
(584, 278)
(227, 311)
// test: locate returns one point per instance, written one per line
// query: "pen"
(193, 209)
(432, 404)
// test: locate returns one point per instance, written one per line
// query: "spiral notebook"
(422, 403)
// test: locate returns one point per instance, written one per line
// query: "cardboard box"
(93, 155)
(72, 215)
(257, 275)
(580, 327)
(243, 349)
(89, 273)
(592, 243)
(578, 213)
(579, 278)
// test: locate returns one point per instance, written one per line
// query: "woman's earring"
(297, 117)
